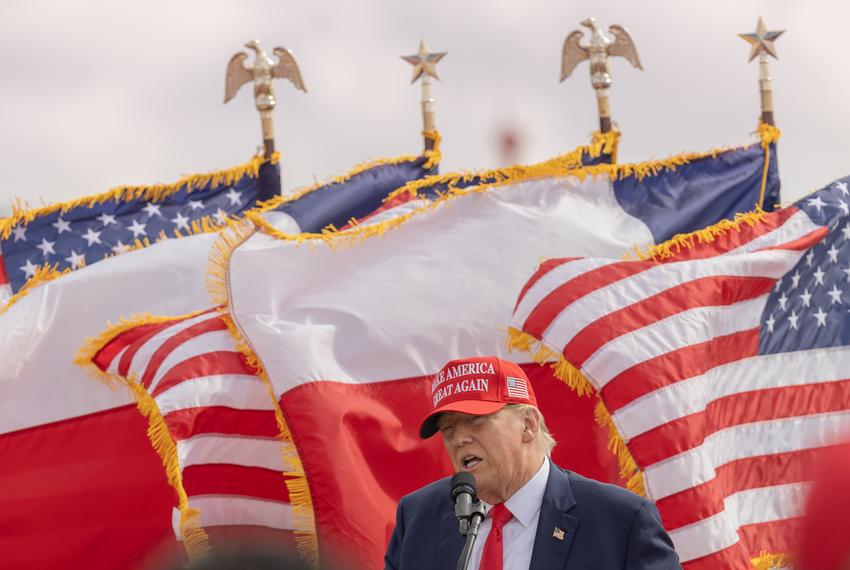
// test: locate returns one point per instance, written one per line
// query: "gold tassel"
(765, 561)
(156, 193)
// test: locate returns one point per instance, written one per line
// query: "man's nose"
(462, 436)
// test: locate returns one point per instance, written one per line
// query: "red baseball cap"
(479, 386)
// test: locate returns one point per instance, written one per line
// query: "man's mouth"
(470, 461)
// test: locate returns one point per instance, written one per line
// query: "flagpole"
(425, 67)
(762, 46)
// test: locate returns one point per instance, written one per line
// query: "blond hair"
(546, 441)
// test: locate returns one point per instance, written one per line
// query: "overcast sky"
(97, 94)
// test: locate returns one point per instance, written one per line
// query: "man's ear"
(531, 425)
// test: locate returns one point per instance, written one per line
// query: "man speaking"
(538, 515)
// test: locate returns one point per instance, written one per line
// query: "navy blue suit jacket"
(605, 527)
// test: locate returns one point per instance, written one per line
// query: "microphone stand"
(469, 528)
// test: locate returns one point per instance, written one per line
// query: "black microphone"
(469, 512)
(463, 494)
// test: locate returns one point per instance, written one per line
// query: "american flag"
(725, 372)
(517, 387)
(219, 414)
(78, 233)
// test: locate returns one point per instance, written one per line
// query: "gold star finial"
(424, 63)
(762, 40)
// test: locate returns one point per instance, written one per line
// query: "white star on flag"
(152, 209)
(809, 257)
(819, 276)
(106, 219)
(233, 196)
(196, 205)
(847, 271)
(821, 317)
(783, 301)
(20, 233)
(842, 186)
(835, 294)
(770, 322)
(76, 260)
(220, 216)
(29, 269)
(137, 228)
(795, 280)
(846, 231)
(844, 207)
(61, 225)
(792, 318)
(833, 254)
(806, 297)
(92, 237)
(181, 221)
(46, 247)
(816, 202)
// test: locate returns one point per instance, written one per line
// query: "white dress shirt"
(518, 533)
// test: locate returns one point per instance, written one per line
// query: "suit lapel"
(556, 528)
(450, 543)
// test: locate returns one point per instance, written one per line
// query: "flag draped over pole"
(71, 426)
(722, 366)
(349, 358)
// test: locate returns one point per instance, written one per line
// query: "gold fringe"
(433, 158)
(628, 468)
(765, 561)
(43, 274)
(23, 215)
(195, 539)
(681, 242)
(304, 521)
(542, 354)
(768, 134)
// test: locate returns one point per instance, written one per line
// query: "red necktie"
(491, 558)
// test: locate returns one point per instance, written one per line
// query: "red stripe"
(733, 557)
(183, 424)
(4, 277)
(209, 325)
(705, 500)
(201, 365)
(690, 431)
(544, 268)
(706, 291)
(774, 537)
(734, 239)
(678, 365)
(107, 353)
(133, 348)
(226, 479)
(570, 291)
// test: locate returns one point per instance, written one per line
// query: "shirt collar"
(525, 503)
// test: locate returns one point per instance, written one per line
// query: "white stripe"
(625, 292)
(235, 450)
(224, 510)
(204, 343)
(690, 327)
(147, 350)
(795, 227)
(237, 391)
(752, 506)
(399, 210)
(697, 465)
(551, 281)
(756, 373)
(113, 364)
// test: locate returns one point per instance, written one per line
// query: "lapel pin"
(558, 533)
